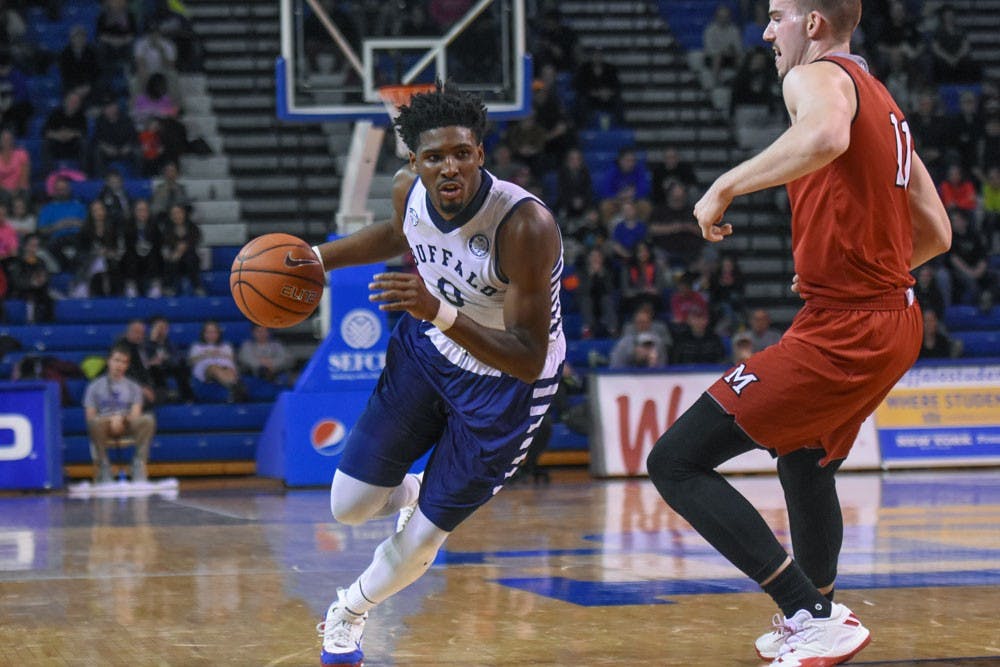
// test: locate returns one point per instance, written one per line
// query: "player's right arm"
(931, 226)
(377, 242)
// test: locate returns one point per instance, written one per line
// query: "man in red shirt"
(864, 212)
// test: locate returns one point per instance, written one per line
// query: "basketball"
(276, 280)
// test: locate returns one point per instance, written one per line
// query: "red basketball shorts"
(824, 377)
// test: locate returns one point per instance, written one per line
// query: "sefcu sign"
(360, 330)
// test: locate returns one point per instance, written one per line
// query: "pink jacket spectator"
(14, 170)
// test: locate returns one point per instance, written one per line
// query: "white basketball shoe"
(768, 644)
(822, 642)
(407, 512)
(342, 632)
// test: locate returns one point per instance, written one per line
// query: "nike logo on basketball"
(292, 262)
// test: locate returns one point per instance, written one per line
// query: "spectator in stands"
(965, 130)
(212, 360)
(175, 26)
(642, 321)
(9, 240)
(988, 148)
(151, 152)
(552, 117)
(900, 41)
(169, 192)
(502, 163)
(12, 34)
(762, 334)
(936, 344)
(991, 208)
(78, 66)
(116, 32)
(753, 29)
(644, 280)
(898, 80)
(113, 405)
(155, 54)
(958, 190)
(180, 253)
(627, 231)
(526, 139)
(644, 353)
(142, 261)
(930, 131)
(627, 180)
(20, 216)
(926, 289)
(156, 104)
(15, 99)
(264, 357)
(666, 171)
(742, 347)
(951, 51)
(115, 140)
(725, 293)
(99, 251)
(166, 364)
(15, 166)
(695, 343)
(967, 261)
(723, 46)
(60, 221)
(134, 342)
(673, 232)
(575, 189)
(116, 199)
(65, 134)
(754, 83)
(28, 279)
(554, 43)
(596, 296)
(685, 299)
(598, 92)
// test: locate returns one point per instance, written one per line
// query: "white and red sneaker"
(822, 642)
(767, 645)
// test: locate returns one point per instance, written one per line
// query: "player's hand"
(403, 291)
(708, 211)
(795, 284)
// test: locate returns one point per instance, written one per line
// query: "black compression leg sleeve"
(814, 516)
(682, 467)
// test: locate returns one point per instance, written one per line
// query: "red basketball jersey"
(851, 231)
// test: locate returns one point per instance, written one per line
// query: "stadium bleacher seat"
(970, 318)
(51, 338)
(186, 418)
(177, 447)
(979, 343)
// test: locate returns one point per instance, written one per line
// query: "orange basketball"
(276, 280)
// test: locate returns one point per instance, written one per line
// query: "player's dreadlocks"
(443, 107)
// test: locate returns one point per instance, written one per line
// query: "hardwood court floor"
(577, 573)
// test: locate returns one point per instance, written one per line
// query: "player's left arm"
(528, 247)
(820, 99)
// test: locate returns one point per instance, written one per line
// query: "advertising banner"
(942, 416)
(30, 436)
(630, 412)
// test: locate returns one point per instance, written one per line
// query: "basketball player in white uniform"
(472, 365)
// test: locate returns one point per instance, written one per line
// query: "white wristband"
(446, 316)
(319, 256)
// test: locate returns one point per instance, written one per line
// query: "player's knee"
(349, 511)
(667, 471)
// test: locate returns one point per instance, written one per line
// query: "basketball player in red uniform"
(864, 213)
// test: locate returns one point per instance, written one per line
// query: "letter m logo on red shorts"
(737, 381)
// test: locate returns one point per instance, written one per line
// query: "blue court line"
(625, 593)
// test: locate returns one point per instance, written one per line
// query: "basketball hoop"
(399, 95)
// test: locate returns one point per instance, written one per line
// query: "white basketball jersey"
(457, 260)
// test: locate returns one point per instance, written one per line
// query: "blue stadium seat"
(120, 309)
(970, 318)
(209, 392)
(979, 343)
(15, 311)
(580, 353)
(607, 140)
(87, 191)
(52, 338)
(563, 439)
(176, 447)
(223, 256)
(138, 188)
(216, 282)
(185, 418)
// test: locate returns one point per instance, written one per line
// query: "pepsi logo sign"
(327, 437)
